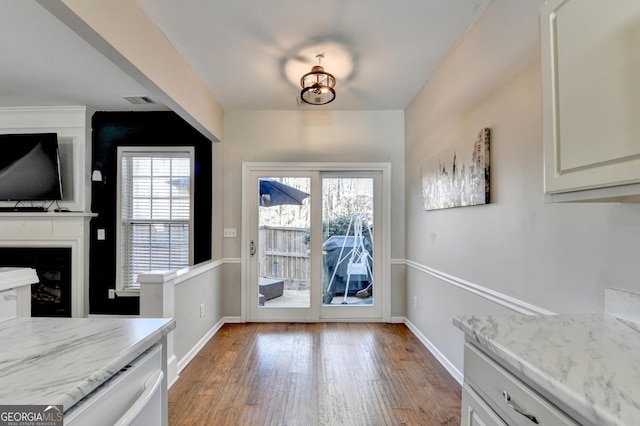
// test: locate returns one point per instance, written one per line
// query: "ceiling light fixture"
(317, 85)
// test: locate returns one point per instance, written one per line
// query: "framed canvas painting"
(458, 176)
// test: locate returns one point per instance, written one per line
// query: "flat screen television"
(30, 167)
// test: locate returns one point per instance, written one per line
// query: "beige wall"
(207, 288)
(314, 136)
(558, 257)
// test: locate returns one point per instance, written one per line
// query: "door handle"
(252, 248)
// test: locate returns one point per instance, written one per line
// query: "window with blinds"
(155, 218)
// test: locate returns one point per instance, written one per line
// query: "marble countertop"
(590, 363)
(59, 361)
(17, 277)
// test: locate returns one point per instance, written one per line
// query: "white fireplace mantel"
(66, 230)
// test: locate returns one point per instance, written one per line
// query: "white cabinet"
(475, 412)
(591, 99)
(493, 396)
(134, 396)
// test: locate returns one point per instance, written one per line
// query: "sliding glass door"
(349, 211)
(313, 245)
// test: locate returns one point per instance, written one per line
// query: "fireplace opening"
(51, 297)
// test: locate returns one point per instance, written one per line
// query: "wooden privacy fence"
(283, 254)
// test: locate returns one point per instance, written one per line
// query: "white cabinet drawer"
(512, 400)
(475, 412)
(112, 401)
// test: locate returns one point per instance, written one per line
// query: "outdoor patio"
(300, 298)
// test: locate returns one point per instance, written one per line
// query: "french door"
(315, 243)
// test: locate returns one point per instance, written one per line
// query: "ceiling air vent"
(139, 100)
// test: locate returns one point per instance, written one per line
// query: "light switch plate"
(229, 232)
(101, 235)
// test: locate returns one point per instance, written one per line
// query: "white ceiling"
(43, 63)
(250, 53)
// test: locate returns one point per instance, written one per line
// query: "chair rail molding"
(501, 299)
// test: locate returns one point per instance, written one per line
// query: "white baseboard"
(232, 320)
(448, 365)
(172, 370)
(185, 360)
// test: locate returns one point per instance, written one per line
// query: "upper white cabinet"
(591, 99)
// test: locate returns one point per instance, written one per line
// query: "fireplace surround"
(51, 297)
(54, 233)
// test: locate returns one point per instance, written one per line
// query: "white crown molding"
(59, 117)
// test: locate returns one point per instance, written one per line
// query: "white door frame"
(385, 221)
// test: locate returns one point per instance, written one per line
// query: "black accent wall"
(114, 129)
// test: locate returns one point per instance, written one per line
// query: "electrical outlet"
(101, 235)
(229, 232)
(415, 302)
(201, 310)
(112, 293)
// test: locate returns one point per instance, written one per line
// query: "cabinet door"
(475, 412)
(591, 93)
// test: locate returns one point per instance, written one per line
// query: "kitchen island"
(572, 369)
(61, 361)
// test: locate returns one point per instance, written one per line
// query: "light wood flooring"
(314, 374)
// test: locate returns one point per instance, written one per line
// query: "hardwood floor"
(314, 374)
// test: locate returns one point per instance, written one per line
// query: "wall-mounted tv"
(30, 167)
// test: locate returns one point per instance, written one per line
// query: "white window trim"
(121, 289)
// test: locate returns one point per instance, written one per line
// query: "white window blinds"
(156, 208)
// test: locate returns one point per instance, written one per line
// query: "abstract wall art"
(458, 176)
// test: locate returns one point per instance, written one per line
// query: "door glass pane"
(347, 249)
(283, 242)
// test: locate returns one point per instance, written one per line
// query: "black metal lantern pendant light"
(317, 85)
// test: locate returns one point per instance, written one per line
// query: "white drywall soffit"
(129, 39)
